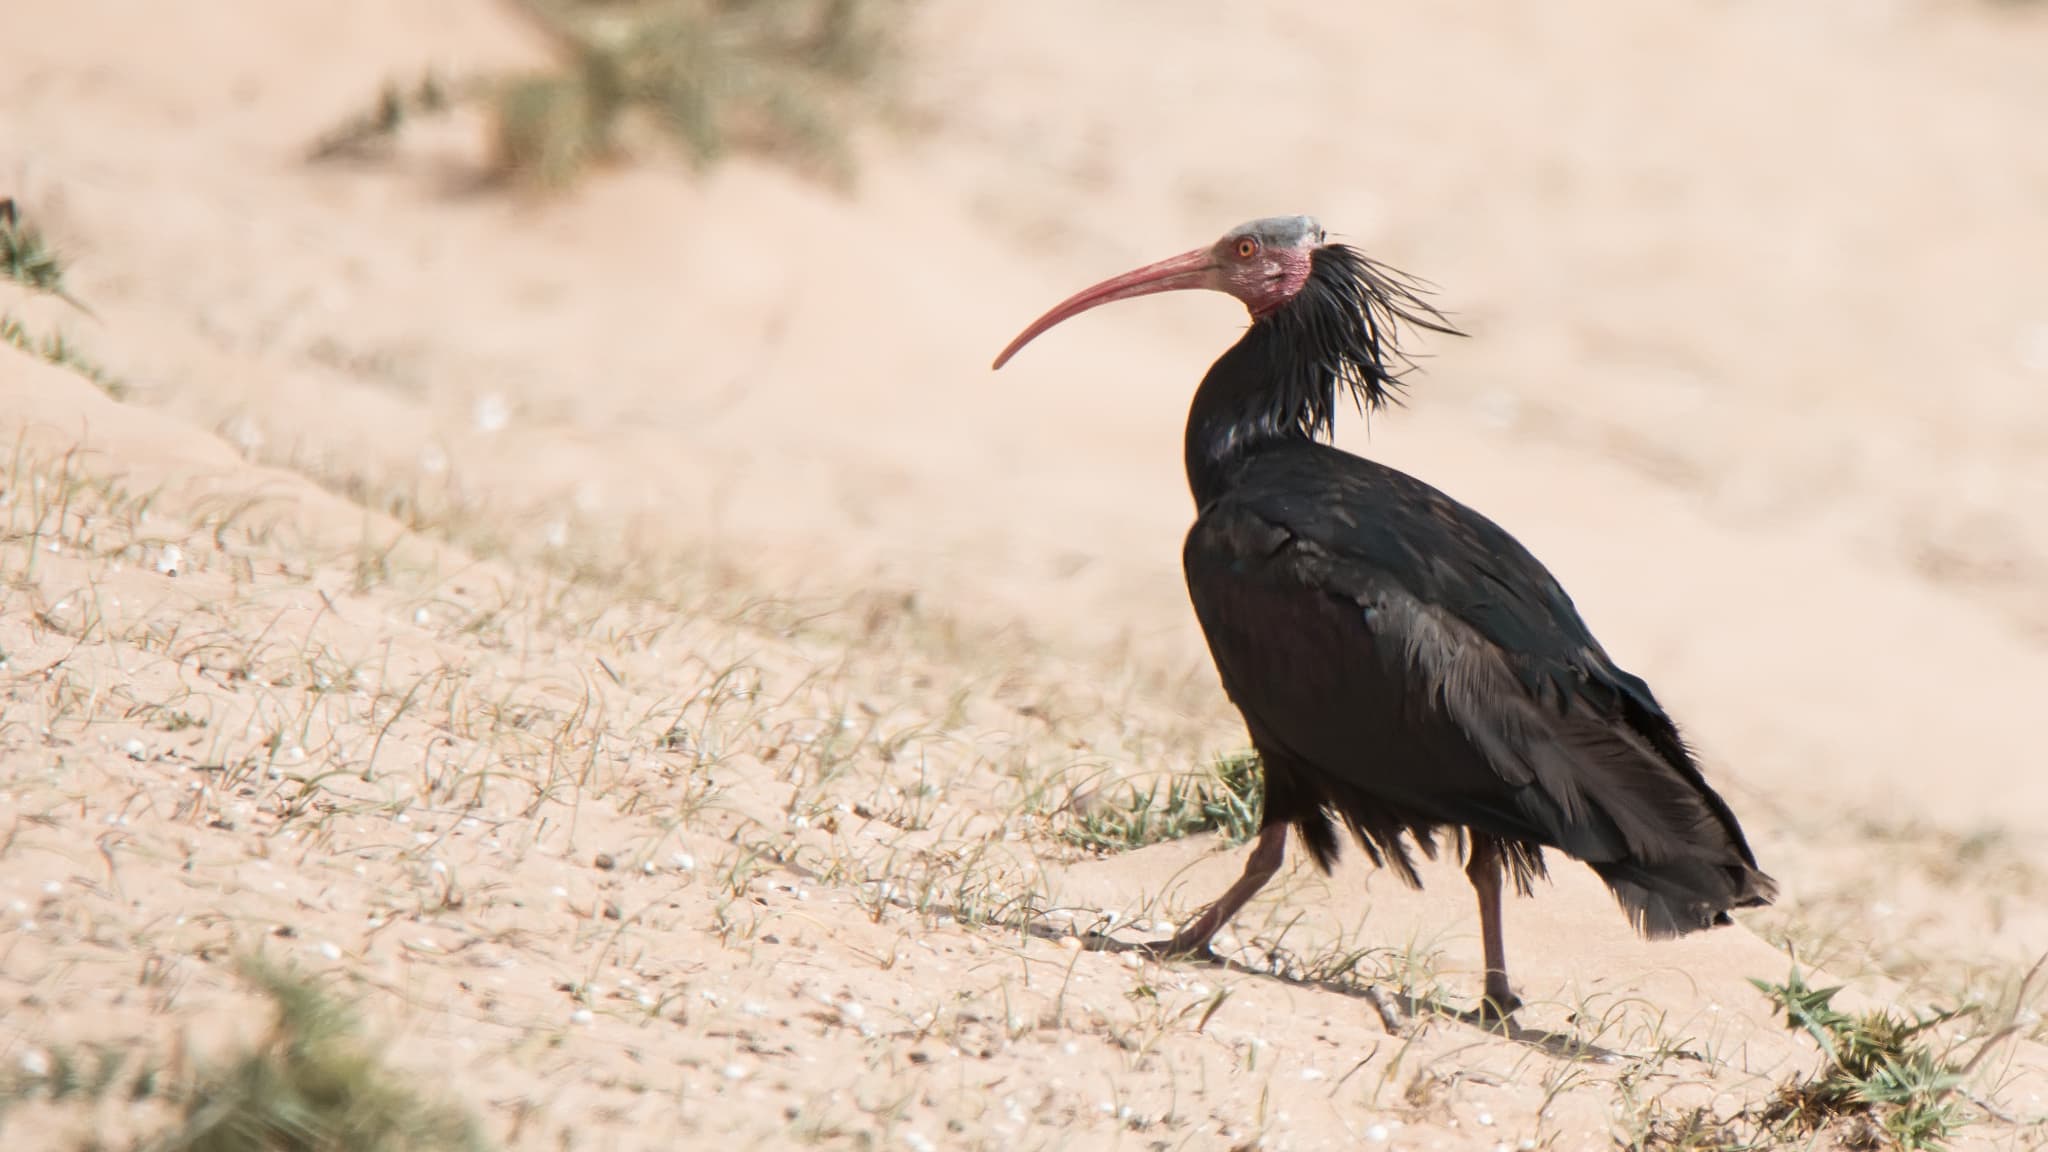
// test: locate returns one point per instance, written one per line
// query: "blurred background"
(1755, 295)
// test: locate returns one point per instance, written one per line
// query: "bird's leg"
(1484, 868)
(1259, 867)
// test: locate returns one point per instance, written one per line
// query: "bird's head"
(1264, 264)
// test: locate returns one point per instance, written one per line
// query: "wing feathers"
(1406, 665)
(1592, 784)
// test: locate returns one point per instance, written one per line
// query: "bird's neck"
(1258, 395)
(1278, 385)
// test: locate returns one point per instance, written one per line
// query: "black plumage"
(1405, 667)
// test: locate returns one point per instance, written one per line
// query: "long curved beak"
(1187, 270)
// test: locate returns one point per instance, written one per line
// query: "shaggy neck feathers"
(1281, 381)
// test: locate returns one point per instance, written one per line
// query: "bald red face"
(1263, 264)
(1261, 273)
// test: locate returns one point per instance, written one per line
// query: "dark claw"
(1495, 1010)
(1175, 950)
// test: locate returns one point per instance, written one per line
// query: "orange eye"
(1247, 248)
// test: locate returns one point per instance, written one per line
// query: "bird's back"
(1405, 664)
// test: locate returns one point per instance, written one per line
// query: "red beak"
(1187, 270)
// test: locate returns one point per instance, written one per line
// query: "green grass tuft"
(27, 260)
(1230, 798)
(313, 1083)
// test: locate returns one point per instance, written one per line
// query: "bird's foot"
(1197, 951)
(1499, 1005)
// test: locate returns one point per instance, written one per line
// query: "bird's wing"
(1406, 646)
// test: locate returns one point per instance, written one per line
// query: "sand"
(1757, 363)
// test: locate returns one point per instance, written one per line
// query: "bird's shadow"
(1398, 1010)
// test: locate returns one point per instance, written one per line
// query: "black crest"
(1342, 328)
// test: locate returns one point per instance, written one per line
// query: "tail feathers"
(1674, 897)
(1636, 808)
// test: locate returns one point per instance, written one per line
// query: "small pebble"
(581, 1016)
(1377, 1134)
(491, 413)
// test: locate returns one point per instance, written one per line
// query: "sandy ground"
(1758, 350)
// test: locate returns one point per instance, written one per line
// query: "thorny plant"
(773, 76)
(1882, 1078)
(1887, 1079)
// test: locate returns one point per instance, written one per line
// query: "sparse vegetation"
(1883, 1080)
(786, 78)
(1225, 799)
(1888, 1079)
(27, 259)
(312, 1083)
(648, 849)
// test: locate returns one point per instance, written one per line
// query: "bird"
(1403, 665)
